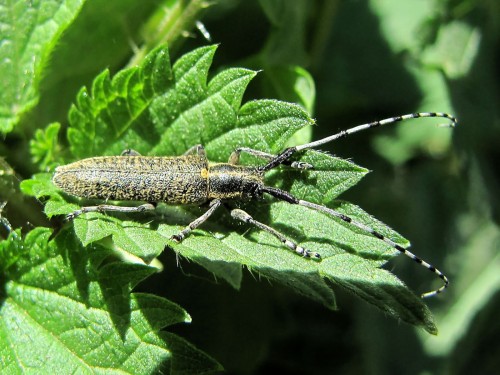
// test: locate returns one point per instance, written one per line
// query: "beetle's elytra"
(192, 179)
(188, 179)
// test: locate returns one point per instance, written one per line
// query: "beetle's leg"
(109, 207)
(196, 223)
(235, 158)
(287, 197)
(246, 218)
(196, 149)
(129, 152)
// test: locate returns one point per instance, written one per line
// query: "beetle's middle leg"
(241, 215)
(234, 158)
(196, 149)
(197, 222)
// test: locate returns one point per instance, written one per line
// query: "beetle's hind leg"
(241, 215)
(109, 207)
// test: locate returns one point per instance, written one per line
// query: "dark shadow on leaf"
(396, 301)
(116, 280)
(77, 258)
(95, 264)
(147, 134)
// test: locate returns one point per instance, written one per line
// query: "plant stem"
(168, 25)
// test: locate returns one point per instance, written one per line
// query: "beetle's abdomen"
(175, 180)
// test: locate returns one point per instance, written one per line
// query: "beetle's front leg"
(235, 158)
(196, 223)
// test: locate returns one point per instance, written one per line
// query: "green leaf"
(406, 27)
(286, 42)
(172, 109)
(65, 309)
(293, 84)
(114, 106)
(44, 147)
(455, 50)
(7, 182)
(403, 21)
(409, 141)
(29, 34)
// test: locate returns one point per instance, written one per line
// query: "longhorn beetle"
(192, 179)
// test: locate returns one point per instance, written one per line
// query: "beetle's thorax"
(234, 182)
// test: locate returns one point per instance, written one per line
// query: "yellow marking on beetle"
(204, 173)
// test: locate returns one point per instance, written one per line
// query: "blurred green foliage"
(346, 62)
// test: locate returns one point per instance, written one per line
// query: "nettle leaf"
(159, 110)
(66, 309)
(44, 148)
(29, 33)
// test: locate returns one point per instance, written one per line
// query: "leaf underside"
(163, 110)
